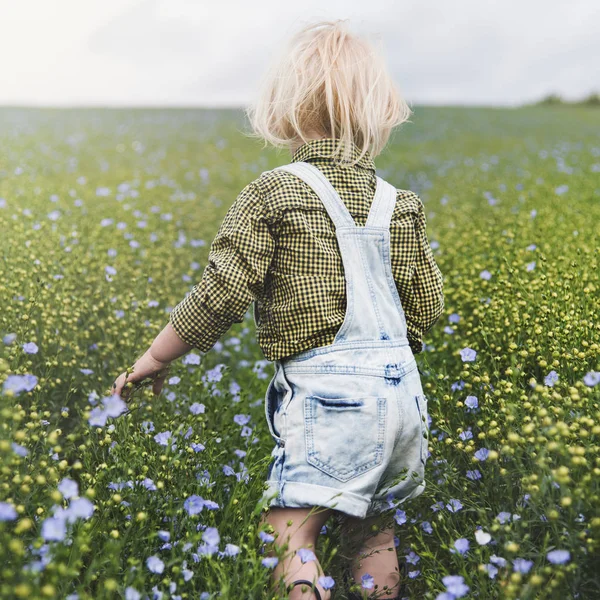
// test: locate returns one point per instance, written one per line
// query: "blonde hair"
(328, 83)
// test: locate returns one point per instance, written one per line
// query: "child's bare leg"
(370, 545)
(299, 528)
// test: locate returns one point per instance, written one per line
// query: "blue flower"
(207, 549)
(165, 536)
(30, 348)
(265, 537)
(457, 385)
(520, 565)
(194, 504)
(481, 454)
(485, 274)
(97, 417)
(155, 564)
(551, 378)
(367, 581)
(455, 585)
(132, 594)
(454, 505)
(114, 406)
(498, 560)
(9, 338)
(7, 512)
(561, 189)
(19, 450)
(592, 378)
(231, 550)
(157, 595)
(462, 545)
(214, 375)
(558, 557)
(241, 419)
(191, 359)
(468, 354)
(471, 402)
(211, 536)
(326, 581)
(306, 555)
(466, 435)
(400, 517)
(147, 426)
(426, 527)
(163, 438)
(19, 383)
(270, 562)
(54, 529)
(197, 408)
(80, 508)
(68, 488)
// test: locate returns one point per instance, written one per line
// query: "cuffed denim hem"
(379, 506)
(303, 495)
(291, 494)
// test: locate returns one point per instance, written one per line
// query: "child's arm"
(427, 287)
(238, 262)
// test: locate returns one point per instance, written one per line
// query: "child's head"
(328, 83)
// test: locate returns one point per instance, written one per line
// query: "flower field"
(107, 218)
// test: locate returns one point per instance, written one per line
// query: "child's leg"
(298, 528)
(370, 545)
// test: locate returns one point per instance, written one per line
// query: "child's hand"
(145, 368)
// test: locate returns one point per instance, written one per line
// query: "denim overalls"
(350, 419)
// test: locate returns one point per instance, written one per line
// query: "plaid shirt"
(277, 247)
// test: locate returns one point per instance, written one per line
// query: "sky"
(212, 53)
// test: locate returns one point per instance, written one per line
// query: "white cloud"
(199, 52)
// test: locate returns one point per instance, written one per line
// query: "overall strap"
(383, 205)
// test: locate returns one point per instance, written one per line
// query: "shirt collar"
(318, 151)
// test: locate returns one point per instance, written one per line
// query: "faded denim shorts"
(352, 436)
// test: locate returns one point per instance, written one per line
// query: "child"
(344, 283)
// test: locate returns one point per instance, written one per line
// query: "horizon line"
(117, 106)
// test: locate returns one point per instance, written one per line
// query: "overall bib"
(350, 419)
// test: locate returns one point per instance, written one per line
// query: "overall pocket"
(421, 401)
(345, 436)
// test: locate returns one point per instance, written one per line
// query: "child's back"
(277, 247)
